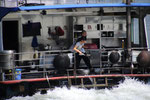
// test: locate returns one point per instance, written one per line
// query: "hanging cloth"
(34, 42)
(59, 31)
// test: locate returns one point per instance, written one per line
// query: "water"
(130, 89)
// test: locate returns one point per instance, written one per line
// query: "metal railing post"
(44, 67)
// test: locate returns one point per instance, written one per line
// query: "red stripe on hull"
(73, 77)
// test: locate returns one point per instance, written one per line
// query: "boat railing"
(36, 64)
(39, 64)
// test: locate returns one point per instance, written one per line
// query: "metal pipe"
(25, 1)
(1, 37)
(128, 25)
(142, 36)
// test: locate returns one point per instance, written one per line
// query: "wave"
(129, 89)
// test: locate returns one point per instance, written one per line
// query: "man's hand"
(82, 54)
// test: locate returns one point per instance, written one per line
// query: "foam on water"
(130, 89)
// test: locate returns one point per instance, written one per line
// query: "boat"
(35, 41)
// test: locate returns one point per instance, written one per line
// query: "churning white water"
(130, 89)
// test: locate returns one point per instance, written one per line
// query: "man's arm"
(75, 48)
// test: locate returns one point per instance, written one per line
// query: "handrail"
(43, 63)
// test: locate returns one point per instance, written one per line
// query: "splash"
(130, 89)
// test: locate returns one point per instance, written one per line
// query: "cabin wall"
(46, 21)
(44, 39)
(114, 24)
(61, 18)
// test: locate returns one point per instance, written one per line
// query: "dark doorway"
(10, 35)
